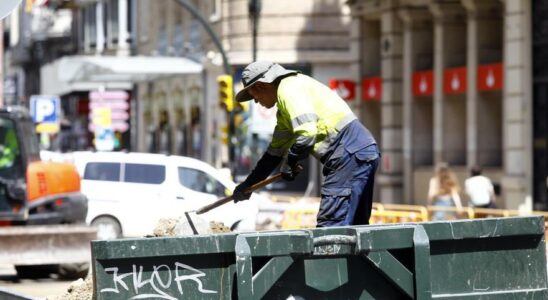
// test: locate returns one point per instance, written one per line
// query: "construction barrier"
(304, 216)
(450, 213)
(299, 218)
(283, 199)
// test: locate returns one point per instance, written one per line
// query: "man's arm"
(263, 168)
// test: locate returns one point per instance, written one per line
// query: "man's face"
(264, 94)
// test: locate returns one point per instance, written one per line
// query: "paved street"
(35, 288)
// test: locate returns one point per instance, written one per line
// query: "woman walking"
(443, 192)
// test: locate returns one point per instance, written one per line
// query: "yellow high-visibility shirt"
(309, 115)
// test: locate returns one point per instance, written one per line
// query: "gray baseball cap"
(260, 71)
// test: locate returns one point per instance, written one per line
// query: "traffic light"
(226, 94)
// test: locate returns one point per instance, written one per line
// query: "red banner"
(345, 88)
(423, 83)
(490, 77)
(372, 89)
(454, 80)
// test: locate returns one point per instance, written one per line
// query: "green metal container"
(501, 258)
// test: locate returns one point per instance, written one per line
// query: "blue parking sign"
(45, 109)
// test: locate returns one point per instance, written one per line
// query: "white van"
(130, 192)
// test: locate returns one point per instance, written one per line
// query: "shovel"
(250, 189)
(200, 226)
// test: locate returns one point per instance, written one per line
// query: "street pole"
(254, 9)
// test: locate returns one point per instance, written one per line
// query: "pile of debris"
(181, 227)
(78, 290)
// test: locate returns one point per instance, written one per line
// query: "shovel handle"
(250, 189)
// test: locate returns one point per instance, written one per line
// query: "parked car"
(130, 192)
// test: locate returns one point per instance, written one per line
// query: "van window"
(143, 173)
(102, 171)
(200, 181)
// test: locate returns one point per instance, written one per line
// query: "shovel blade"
(191, 224)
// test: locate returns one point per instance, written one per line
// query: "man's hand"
(290, 170)
(239, 193)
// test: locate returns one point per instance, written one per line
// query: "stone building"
(456, 88)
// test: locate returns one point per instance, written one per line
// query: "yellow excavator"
(42, 211)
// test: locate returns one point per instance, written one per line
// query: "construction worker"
(313, 119)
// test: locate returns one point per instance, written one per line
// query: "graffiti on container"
(327, 249)
(159, 284)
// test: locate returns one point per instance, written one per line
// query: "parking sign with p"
(45, 109)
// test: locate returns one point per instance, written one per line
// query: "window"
(131, 16)
(82, 30)
(32, 146)
(102, 171)
(179, 39)
(195, 40)
(112, 21)
(144, 20)
(162, 41)
(215, 15)
(142, 173)
(92, 23)
(11, 165)
(90, 26)
(200, 181)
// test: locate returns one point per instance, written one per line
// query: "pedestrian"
(313, 119)
(480, 189)
(443, 193)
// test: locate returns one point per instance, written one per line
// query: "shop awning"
(123, 69)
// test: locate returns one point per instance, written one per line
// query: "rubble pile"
(218, 227)
(181, 227)
(78, 290)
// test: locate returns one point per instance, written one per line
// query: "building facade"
(456, 81)
(455, 88)
(175, 115)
